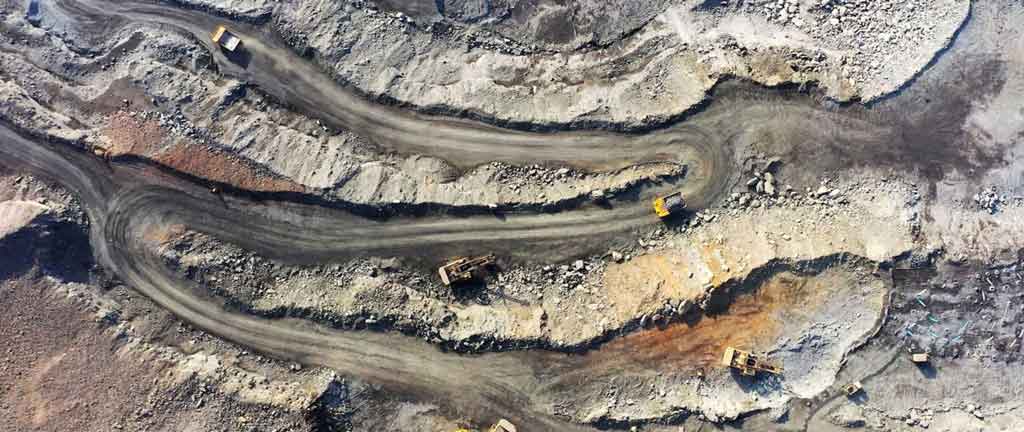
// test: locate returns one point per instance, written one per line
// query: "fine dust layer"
(63, 370)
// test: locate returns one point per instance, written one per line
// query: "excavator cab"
(853, 388)
(669, 204)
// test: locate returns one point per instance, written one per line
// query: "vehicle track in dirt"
(475, 386)
(128, 197)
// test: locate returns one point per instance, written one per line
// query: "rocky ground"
(179, 112)
(837, 269)
(83, 352)
(666, 273)
(609, 64)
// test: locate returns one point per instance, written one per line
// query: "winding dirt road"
(478, 386)
(126, 198)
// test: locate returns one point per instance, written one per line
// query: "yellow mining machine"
(501, 426)
(463, 268)
(748, 364)
(853, 388)
(669, 204)
(101, 152)
(227, 40)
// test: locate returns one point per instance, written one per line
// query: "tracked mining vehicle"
(501, 426)
(748, 364)
(463, 269)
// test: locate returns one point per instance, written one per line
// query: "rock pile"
(568, 277)
(878, 32)
(519, 176)
(763, 184)
(784, 11)
(990, 200)
(866, 38)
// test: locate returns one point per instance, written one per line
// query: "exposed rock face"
(651, 63)
(244, 9)
(15, 215)
(563, 306)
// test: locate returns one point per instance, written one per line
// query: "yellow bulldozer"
(501, 426)
(463, 268)
(748, 364)
(669, 204)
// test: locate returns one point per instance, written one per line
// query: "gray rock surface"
(633, 77)
(15, 215)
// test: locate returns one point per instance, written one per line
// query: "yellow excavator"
(669, 204)
(748, 364)
(463, 268)
(501, 426)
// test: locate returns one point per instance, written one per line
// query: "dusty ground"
(64, 366)
(667, 273)
(615, 62)
(83, 353)
(62, 371)
(835, 239)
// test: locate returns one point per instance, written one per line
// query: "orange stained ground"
(223, 168)
(133, 135)
(752, 321)
(146, 138)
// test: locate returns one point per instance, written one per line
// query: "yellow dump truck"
(748, 364)
(227, 40)
(669, 204)
(463, 268)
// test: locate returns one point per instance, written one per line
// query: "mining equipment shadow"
(677, 220)
(927, 370)
(859, 398)
(241, 56)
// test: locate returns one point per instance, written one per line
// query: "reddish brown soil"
(751, 322)
(165, 234)
(62, 371)
(223, 168)
(131, 135)
(58, 371)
